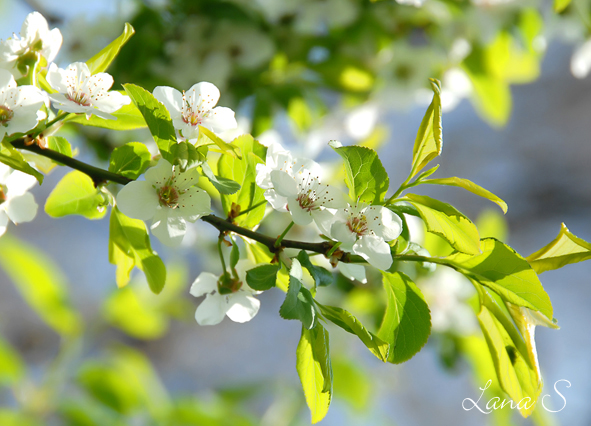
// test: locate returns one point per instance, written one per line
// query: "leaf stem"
(223, 262)
(248, 210)
(278, 241)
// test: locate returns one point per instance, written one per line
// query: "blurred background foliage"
(296, 67)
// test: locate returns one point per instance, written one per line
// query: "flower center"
(192, 116)
(358, 225)
(6, 115)
(228, 285)
(192, 119)
(307, 201)
(80, 98)
(168, 196)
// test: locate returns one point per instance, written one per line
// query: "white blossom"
(364, 230)
(195, 107)
(169, 198)
(580, 63)
(82, 93)
(226, 295)
(16, 203)
(294, 185)
(19, 106)
(34, 36)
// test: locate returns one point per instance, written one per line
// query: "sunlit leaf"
(128, 117)
(560, 5)
(13, 158)
(229, 149)
(12, 367)
(298, 304)
(130, 160)
(101, 61)
(262, 277)
(76, 194)
(223, 185)
(322, 277)
(429, 140)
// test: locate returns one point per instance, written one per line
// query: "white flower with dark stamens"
(19, 106)
(294, 185)
(227, 295)
(35, 36)
(83, 93)
(169, 198)
(16, 203)
(195, 107)
(364, 230)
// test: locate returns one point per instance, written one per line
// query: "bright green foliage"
(59, 144)
(13, 158)
(429, 140)
(14, 418)
(298, 304)
(227, 148)
(350, 324)
(101, 61)
(352, 383)
(566, 248)
(468, 186)
(447, 222)
(223, 185)
(12, 367)
(76, 194)
(243, 171)
(130, 160)
(41, 284)
(262, 277)
(560, 5)
(186, 155)
(129, 246)
(157, 118)
(128, 117)
(322, 276)
(315, 371)
(300, 113)
(407, 321)
(504, 271)
(365, 175)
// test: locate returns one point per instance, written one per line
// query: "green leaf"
(129, 246)
(223, 185)
(13, 158)
(128, 117)
(565, 249)
(560, 5)
(322, 276)
(447, 222)
(59, 144)
(101, 61)
(41, 284)
(407, 321)
(157, 118)
(504, 271)
(365, 175)
(76, 194)
(262, 277)
(350, 324)
(186, 155)
(235, 255)
(352, 383)
(229, 149)
(429, 141)
(243, 171)
(12, 367)
(313, 367)
(130, 160)
(298, 304)
(468, 186)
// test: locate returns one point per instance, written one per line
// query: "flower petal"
(160, 174)
(375, 250)
(169, 229)
(341, 232)
(212, 310)
(21, 208)
(219, 120)
(17, 183)
(138, 200)
(186, 180)
(202, 96)
(205, 283)
(278, 202)
(324, 219)
(353, 271)
(193, 204)
(242, 307)
(3, 222)
(171, 98)
(383, 222)
(299, 215)
(284, 184)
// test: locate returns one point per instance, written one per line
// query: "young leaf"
(130, 160)
(128, 117)
(447, 222)
(566, 248)
(429, 141)
(243, 171)
(101, 61)
(468, 186)
(13, 158)
(352, 325)
(59, 144)
(298, 304)
(322, 277)
(186, 155)
(365, 175)
(76, 194)
(229, 149)
(12, 367)
(263, 277)
(157, 118)
(235, 255)
(407, 321)
(129, 246)
(223, 185)
(41, 283)
(504, 271)
(314, 369)
(560, 5)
